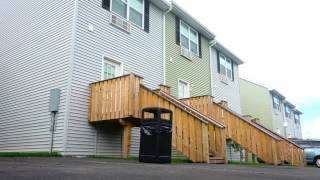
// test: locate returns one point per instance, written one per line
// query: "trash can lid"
(156, 110)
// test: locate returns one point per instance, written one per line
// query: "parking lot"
(86, 168)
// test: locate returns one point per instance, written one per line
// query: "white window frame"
(278, 108)
(181, 96)
(296, 120)
(223, 60)
(128, 12)
(111, 61)
(287, 111)
(189, 39)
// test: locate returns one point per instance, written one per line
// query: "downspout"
(164, 42)
(211, 44)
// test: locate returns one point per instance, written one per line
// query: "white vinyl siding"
(56, 50)
(221, 91)
(35, 51)
(132, 10)
(189, 38)
(112, 44)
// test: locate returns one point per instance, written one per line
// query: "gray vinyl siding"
(222, 91)
(232, 153)
(297, 131)
(35, 54)
(293, 130)
(291, 126)
(135, 142)
(109, 140)
(139, 51)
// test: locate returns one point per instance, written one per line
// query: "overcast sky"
(279, 42)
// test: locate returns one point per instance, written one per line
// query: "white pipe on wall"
(164, 42)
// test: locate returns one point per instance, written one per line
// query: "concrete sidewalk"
(85, 168)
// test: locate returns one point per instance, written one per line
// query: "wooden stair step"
(216, 160)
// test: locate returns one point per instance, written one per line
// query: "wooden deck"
(265, 144)
(122, 99)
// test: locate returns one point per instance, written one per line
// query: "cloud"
(310, 129)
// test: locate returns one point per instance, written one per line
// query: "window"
(226, 66)
(132, 10)
(276, 103)
(111, 69)
(288, 111)
(297, 118)
(184, 90)
(189, 38)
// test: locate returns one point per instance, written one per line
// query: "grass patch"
(174, 161)
(180, 161)
(247, 163)
(114, 158)
(30, 154)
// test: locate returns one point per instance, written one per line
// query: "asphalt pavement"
(86, 168)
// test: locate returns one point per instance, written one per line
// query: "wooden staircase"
(200, 126)
(254, 138)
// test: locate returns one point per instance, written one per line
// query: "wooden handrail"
(191, 110)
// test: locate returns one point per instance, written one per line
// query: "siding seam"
(69, 83)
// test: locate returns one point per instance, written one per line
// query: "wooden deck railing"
(125, 97)
(116, 98)
(256, 139)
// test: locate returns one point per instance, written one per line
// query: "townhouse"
(271, 109)
(197, 65)
(72, 81)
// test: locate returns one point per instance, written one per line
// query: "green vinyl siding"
(195, 72)
(256, 102)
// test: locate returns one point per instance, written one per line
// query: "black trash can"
(156, 136)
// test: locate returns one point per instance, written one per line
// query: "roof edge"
(228, 53)
(189, 19)
(275, 92)
(162, 4)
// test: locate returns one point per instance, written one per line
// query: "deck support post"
(274, 152)
(165, 89)
(205, 143)
(126, 140)
(224, 145)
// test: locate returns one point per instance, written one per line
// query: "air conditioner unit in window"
(120, 23)
(224, 79)
(186, 53)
